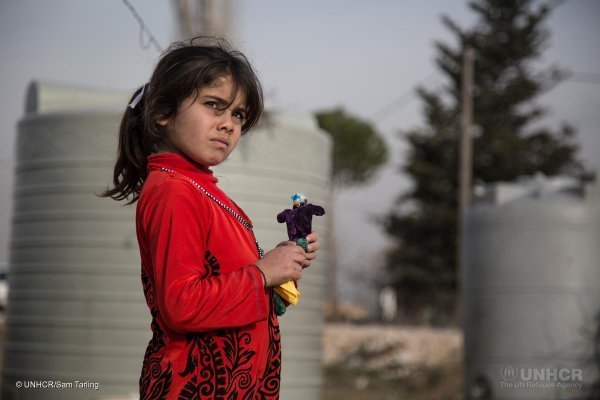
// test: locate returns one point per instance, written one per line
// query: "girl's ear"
(162, 122)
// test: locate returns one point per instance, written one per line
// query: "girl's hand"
(283, 263)
(313, 246)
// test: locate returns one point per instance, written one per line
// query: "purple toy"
(299, 219)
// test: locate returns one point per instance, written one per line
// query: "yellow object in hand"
(288, 292)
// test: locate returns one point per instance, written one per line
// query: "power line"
(401, 101)
(407, 97)
(584, 77)
(144, 30)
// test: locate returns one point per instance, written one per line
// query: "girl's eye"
(212, 104)
(240, 115)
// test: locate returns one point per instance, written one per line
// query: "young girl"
(206, 283)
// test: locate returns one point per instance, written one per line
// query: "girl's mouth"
(220, 142)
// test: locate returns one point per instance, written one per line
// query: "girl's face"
(203, 129)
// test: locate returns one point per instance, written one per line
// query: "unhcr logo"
(544, 378)
(508, 373)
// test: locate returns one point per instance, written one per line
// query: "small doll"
(299, 225)
(299, 219)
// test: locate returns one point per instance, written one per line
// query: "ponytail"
(130, 170)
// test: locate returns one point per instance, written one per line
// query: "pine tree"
(508, 38)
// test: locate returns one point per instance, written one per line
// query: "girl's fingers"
(314, 246)
(312, 237)
(286, 243)
(299, 258)
(309, 257)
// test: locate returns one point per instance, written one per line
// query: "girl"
(206, 283)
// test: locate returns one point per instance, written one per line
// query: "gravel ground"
(392, 362)
(420, 346)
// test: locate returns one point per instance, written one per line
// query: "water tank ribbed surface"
(268, 166)
(531, 288)
(76, 310)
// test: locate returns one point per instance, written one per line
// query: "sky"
(365, 56)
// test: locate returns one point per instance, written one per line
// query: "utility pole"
(204, 17)
(465, 168)
(207, 17)
(185, 18)
(333, 259)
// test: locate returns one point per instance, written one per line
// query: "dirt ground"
(392, 362)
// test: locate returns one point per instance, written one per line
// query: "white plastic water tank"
(76, 310)
(531, 289)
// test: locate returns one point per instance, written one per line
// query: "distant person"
(388, 303)
(205, 279)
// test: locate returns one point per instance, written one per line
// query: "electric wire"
(144, 30)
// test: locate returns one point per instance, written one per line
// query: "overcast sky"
(309, 54)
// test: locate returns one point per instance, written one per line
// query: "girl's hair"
(182, 71)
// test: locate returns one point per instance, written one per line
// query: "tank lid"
(537, 186)
(44, 97)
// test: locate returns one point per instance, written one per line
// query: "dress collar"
(181, 164)
(195, 171)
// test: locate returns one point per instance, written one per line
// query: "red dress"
(215, 332)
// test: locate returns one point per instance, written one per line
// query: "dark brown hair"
(182, 71)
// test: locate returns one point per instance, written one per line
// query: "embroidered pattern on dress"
(219, 364)
(154, 382)
(212, 265)
(271, 379)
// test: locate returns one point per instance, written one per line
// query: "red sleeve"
(189, 299)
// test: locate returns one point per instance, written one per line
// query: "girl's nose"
(226, 122)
